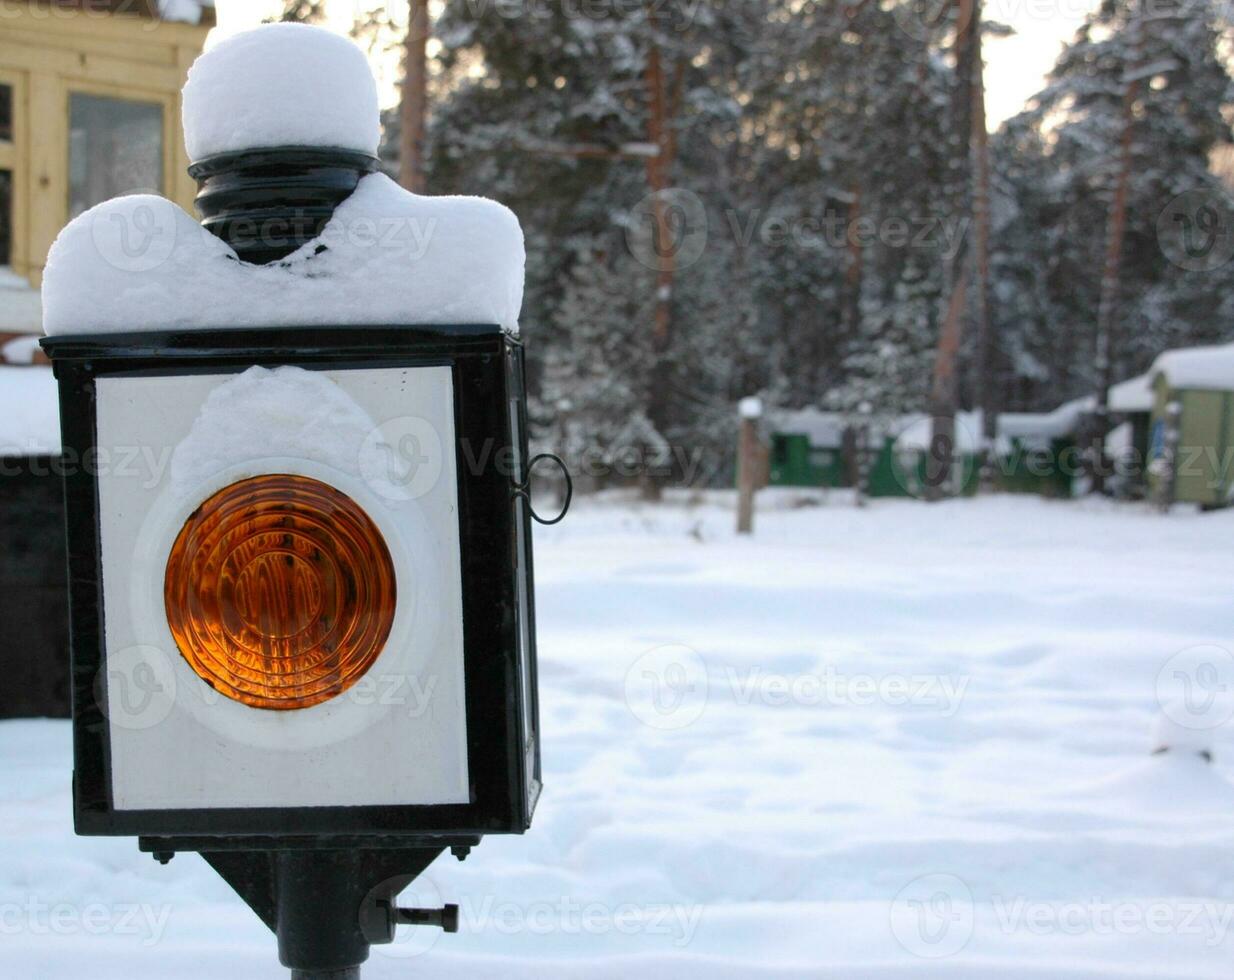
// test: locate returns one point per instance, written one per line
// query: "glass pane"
(115, 147)
(6, 113)
(6, 217)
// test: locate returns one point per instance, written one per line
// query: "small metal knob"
(445, 918)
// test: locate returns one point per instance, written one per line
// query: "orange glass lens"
(280, 592)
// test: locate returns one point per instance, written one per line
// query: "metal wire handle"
(524, 491)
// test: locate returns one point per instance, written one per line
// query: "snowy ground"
(905, 740)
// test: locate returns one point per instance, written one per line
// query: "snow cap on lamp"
(281, 85)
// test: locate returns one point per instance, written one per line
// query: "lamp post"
(305, 649)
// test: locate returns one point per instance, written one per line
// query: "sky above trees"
(1015, 65)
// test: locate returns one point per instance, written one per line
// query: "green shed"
(807, 449)
(1131, 402)
(1038, 452)
(811, 448)
(900, 469)
(1198, 465)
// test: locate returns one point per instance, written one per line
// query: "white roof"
(1210, 368)
(1045, 425)
(1120, 440)
(916, 432)
(822, 428)
(21, 311)
(188, 11)
(29, 412)
(1133, 395)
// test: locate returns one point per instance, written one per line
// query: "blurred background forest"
(801, 200)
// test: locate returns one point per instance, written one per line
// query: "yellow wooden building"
(89, 109)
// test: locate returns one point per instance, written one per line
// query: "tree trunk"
(944, 394)
(1107, 311)
(662, 106)
(414, 110)
(986, 389)
(855, 271)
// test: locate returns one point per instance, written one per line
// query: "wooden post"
(861, 484)
(749, 463)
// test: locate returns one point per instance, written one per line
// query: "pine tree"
(1130, 121)
(301, 12)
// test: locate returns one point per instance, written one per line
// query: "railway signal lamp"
(302, 617)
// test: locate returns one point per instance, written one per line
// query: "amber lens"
(280, 592)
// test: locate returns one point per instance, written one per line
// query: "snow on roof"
(20, 350)
(188, 11)
(1197, 367)
(1063, 421)
(20, 308)
(387, 257)
(821, 428)
(1133, 395)
(29, 412)
(1120, 440)
(911, 432)
(916, 433)
(281, 85)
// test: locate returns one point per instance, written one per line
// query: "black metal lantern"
(316, 675)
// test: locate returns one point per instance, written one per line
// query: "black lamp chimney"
(267, 203)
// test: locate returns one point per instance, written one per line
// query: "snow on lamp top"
(387, 256)
(281, 85)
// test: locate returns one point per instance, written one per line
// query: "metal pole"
(318, 922)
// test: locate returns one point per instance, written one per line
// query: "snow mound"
(281, 85)
(387, 257)
(1188, 729)
(29, 412)
(1198, 367)
(284, 412)
(1181, 786)
(19, 303)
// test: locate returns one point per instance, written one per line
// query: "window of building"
(6, 175)
(115, 148)
(6, 217)
(6, 113)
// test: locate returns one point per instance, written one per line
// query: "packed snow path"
(921, 749)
